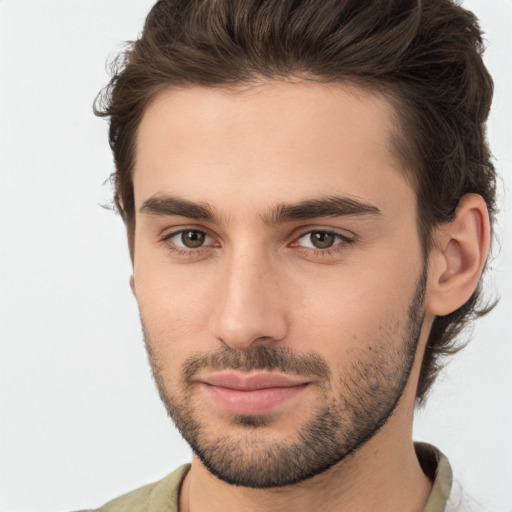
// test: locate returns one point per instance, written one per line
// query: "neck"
(384, 474)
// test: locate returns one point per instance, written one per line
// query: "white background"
(80, 420)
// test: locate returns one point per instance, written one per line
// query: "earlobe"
(457, 262)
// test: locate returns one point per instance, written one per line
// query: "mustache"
(260, 357)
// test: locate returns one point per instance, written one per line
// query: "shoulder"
(447, 494)
(160, 496)
(460, 501)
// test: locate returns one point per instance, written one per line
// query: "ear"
(132, 284)
(457, 261)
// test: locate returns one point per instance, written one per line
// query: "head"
(406, 77)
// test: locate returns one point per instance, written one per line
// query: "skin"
(254, 282)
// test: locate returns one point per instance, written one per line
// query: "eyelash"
(334, 250)
(329, 251)
(182, 251)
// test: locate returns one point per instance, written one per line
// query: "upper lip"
(247, 382)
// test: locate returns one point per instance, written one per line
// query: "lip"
(251, 393)
(252, 381)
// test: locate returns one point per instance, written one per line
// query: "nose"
(250, 308)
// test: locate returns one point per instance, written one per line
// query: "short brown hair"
(425, 56)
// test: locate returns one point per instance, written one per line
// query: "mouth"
(255, 393)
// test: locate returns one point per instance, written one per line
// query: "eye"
(190, 239)
(320, 239)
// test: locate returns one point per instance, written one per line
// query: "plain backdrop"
(80, 420)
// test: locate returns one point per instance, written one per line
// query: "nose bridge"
(249, 310)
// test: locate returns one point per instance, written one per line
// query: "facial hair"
(352, 407)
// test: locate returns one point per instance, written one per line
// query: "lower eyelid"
(210, 241)
(178, 248)
(340, 238)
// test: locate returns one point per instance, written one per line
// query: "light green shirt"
(163, 496)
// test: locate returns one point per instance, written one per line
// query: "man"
(308, 197)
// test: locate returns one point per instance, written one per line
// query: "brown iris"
(192, 239)
(322, 240)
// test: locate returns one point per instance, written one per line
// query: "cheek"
(172, 311)
(356, 308)
(174, 303)
(173, 326)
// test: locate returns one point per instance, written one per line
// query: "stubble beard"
(368, 394)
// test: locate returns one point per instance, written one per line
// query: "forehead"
(268, 142)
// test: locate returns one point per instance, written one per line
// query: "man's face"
(278, 272)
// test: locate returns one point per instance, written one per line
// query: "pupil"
(322, 240)
(192, 239)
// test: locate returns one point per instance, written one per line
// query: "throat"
(368, 480)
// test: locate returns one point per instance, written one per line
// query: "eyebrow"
(329, 207)
(166, 205)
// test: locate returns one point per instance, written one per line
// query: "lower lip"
(254, 401)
